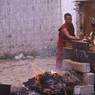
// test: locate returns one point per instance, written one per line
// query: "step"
(84, 90)
(78, 66)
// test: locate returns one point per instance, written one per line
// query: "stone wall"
(28, 26)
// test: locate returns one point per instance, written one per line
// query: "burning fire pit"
(49, 84)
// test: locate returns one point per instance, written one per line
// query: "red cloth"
(63, 37)
(60, 43)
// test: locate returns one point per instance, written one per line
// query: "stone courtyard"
(15, 72)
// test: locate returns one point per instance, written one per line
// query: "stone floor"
(15, 72)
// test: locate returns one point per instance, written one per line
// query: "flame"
(53, 72)
(37, 77)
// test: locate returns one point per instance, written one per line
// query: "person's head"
(68, 18)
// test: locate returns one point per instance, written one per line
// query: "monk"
(66, 33)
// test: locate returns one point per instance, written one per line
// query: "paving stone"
(15, 72)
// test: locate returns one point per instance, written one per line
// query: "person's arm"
(68, 35)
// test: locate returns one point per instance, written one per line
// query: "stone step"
(89, 78)
(78, 66)
(84, 90)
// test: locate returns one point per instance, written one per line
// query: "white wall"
(69, 6)
(28, 25)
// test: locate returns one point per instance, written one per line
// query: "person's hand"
(77, 38)
(81, 35)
